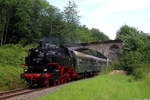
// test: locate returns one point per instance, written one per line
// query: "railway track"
(17, 92)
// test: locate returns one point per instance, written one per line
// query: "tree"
(24, 21)
(84, 34)
(131, 37)
(71, 13)
(136, 50)
(126, 30)
(97, 35)
(5, 15)
(72, 21)
(28, 21)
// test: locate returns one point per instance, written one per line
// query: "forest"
(29, 21)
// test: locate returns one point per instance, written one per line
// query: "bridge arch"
(113, 52)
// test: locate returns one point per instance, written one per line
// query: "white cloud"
(114, 13)
(121, 5)
(110, 15)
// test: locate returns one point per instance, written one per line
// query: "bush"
(10, 77)
(141, 71)
(112, 66)
(136, 51)
(12, 54)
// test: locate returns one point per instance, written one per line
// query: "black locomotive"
(50, 64)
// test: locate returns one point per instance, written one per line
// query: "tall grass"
(103, 87)
(10, 77)
(11, 56)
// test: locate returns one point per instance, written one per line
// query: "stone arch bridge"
(108, 48)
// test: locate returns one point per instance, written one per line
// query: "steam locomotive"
(49, 65)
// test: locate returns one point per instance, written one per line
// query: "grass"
(103, 87)
(11, 56)
(10, 77)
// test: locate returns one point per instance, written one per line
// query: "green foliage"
(112, 66)
(102, 87)
(26, 20)
(83, 34)
(11, 56)
(97, 35)
(71, 13)
(142, 71)
(86, 35)
(136, 51)
(29, 21)
(126, 30)
(107, 69)
(71, 17)
(10, 77)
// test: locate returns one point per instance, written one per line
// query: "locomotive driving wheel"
(47, 83)
(56, 82)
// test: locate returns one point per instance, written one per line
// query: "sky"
(109, 15)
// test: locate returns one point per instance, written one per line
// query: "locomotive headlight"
(36, 50)
(57, 70)
(25, 70)
(45, 70)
